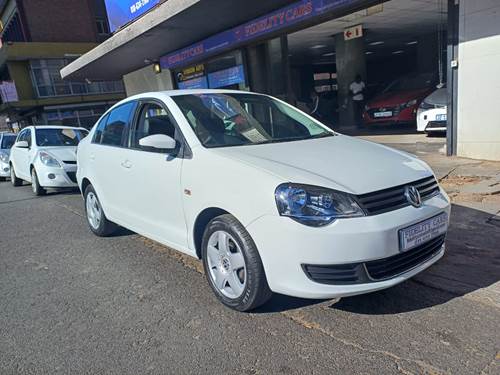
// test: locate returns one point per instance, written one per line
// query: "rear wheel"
(98, 222)
(13, 178)
(35, 184)
(233, 266)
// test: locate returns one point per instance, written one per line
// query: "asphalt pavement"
(73, 303)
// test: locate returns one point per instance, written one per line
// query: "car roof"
(173, 93)
(54, 127)
(7, 133)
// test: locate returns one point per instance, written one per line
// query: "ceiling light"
(368, 52)
(412, 42)
(376, 43)
(398, 52)
(329, 54)
(318, 46)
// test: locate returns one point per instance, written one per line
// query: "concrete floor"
(74, 303)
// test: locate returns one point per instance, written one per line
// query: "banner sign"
(272, 22)
(226, 77)
(121, 12)
(191, 72)
(195, 83)
(8, 92)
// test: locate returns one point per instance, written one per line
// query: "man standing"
(357, 90)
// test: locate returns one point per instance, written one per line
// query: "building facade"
(286, 48)
(39, 38)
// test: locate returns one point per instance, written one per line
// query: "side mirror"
(22, 144)
(158, 141)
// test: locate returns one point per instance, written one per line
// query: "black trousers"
(359, 107)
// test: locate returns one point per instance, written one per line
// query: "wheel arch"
(85, 183)
(201, 223)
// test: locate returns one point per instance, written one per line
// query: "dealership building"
(289, 48)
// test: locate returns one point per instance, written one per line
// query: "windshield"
(221, 120)
(59, 137)
(7, 141)
(413, 82)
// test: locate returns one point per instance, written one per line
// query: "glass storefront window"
(47, 81)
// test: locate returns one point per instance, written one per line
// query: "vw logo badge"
(412, 195)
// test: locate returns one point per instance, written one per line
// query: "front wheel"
(35, 184)
(233, 266)
(98, 222)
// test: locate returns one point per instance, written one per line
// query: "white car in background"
(45, 156)
(6, 142)
(432, 112)
(270, 199)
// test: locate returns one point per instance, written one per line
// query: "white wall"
(145, 80)
(478, 113)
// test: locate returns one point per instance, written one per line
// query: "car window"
(59, 137)
(8, 141)
(221, 120)
(27, 137)
(99, 129)
(153, 119)
(116, 126)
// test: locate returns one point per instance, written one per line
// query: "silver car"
(6, 142)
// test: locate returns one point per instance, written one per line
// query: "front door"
(154, 178)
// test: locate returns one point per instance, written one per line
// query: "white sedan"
(267, 197)
(45, 156)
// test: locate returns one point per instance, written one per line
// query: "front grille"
(335, 274)
(436, 124)
(69, 162)
(393, 198)
(400, 263)
(72, 176)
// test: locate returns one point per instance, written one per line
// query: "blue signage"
(287, 16)
(226, 77)
(121, 12)
(195, 83)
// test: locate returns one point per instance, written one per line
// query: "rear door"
(154, 177)
(106, 162)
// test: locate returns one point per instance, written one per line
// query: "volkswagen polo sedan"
(267, 197)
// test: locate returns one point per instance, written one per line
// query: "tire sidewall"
(249, 252)
(38, 190)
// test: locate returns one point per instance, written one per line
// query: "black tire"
(105, 227)
(13, 178)
(38, 190)
(256, 291)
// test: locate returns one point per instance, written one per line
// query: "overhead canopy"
(172, 25)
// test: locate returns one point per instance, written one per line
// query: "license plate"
(422, 232)
(383, 114)
(440, 117)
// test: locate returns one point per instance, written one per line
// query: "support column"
(269, 68)
(351, 60)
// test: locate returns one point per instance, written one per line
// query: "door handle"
(92, 157)
(126, 164)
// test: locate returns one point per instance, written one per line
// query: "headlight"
(409, 104)
(48, 159)
(315, 206)
(4, 157)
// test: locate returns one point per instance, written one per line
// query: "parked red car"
(398, 102)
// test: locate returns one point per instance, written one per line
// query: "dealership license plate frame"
(441, 117)
(438, 225)
(383, 114)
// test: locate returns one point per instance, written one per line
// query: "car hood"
(64, 153)
(338, 162)
(394, 98)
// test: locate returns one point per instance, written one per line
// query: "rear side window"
(113, 128)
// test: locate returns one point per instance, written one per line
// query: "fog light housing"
(51, 176)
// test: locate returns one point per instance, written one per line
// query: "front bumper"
(50, 177)
(4, 169)
(403, 116)
(285, 246)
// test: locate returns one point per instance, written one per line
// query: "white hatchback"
(45, 156)
(270, 199)
(6, 142)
